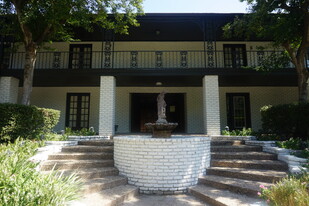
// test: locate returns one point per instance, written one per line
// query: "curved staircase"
(93, 162)
(236, 173)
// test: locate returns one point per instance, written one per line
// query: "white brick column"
(211, 105)
(8, 89)
(107, 106)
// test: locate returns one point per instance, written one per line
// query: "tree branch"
(44, 34)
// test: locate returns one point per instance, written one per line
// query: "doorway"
(144, 110)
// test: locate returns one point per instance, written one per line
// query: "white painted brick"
(155, 170)
(8, 89)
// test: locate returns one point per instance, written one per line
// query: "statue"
(161, 128)
(161, 108)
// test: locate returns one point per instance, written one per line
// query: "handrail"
(145, 59)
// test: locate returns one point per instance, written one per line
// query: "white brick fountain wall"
(162, 165)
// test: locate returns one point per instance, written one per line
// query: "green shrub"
(21, 184)
(286, 120)
(292, 143)
(243, 132)
(50, 136)
(25, 121)
(291, 191)
(82, 132)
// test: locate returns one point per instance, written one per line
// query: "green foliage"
(286, 120)
(290, 191)
(272, 61)
(82, 132)
(51, 136)
(25, 121)
(293, 143)
(285, 23)
(21, 184)
(243, 132)
(54, 20)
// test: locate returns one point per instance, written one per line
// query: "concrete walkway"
(164, 200)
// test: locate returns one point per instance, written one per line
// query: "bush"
(286, 120)
(22, 185)
(82, 132)
(291, 191)
(25, 121)
(237, 132)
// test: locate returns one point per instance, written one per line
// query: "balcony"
(143, 60)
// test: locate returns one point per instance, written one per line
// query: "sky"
(194, 6)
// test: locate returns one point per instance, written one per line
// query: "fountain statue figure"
(161, 108)
(161, 128)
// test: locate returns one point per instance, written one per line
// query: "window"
(5, 50)
(77, 114)
(80, 56)
(238, 110)
(234, 55)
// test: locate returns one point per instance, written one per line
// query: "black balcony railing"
(144, 60)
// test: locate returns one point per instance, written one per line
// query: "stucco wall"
(55, 98)
(259, 96)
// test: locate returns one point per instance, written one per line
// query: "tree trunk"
(303, 76)
(31, 50)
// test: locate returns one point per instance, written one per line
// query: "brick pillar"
(8, 89)
(211, 105)
(107, 106)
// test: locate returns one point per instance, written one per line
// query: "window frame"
(81, 56)
(78, 112)
(230, 107)
(233, 55)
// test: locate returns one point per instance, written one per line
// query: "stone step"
(87, 148)
(104, 183)
(226, 142)
(236, 148)
(218, 197)
(80, 156)
(270, 176)
(97, 142)
(246, 187)
(251, 164)
(90, 173)
(111, 197)
(241, 155)
(75, 164)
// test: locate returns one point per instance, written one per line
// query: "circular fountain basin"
(160, 165)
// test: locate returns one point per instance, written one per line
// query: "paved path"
(164, 200)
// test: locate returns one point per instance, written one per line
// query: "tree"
(286, 22)
(34, 22)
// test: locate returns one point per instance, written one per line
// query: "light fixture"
(158, 83)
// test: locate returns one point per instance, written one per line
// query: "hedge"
(286, 120)
(25, 121)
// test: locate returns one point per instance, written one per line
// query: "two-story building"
(110, 81)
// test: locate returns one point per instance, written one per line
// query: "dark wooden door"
(77, 110)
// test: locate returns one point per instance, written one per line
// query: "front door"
(144, 110)
(78, 108)
(238, 110)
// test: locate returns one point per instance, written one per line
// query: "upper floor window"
(80, 56)
(234, 55)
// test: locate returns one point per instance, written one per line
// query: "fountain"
(162, 163)
(161, 128)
